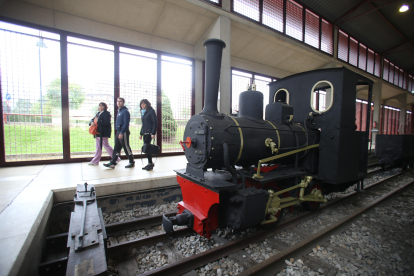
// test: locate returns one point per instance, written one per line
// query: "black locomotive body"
(244, 170)
(394, 150)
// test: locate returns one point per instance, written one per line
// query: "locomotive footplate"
(214, 181)
(282, 173)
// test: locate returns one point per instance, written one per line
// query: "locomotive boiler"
(245, 170)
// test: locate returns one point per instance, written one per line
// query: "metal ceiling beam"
(394, 52)
(396, 46)
(351, 10)
(389, 23)
(367, 12)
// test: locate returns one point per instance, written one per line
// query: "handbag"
(150, 148)
(94, 129)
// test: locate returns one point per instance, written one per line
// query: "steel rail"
(120, 228)
(373, 164)
(185, 265)
(267, 265)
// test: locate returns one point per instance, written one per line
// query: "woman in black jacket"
(149, 127)
(104, 129)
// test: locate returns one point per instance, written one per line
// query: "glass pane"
(370, 65)
(91, 81)
(29, 31)
(239, 83)
(273, 14)
(294, 25)
(386, 70)
(138, 79)
(377, 65)
(262, 86)
(177, 88)
(312, 29)
(327, 37)
(353, 52)
(343, 46)
(362, 57)
(248, 8)
(32, 113)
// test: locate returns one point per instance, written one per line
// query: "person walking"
(148, 129)
(122, 135)
(103, 118)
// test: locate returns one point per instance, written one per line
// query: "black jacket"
(104, 124)
(149, 122)
(122, 120)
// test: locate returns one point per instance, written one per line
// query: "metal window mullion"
(193, 90)
(65, 96)
(361, 109)
(320, 33)
(2, 133)
(366, 59)
(159, 103)
(117, 91)
(349, 49)
(359, 46)
(303, 23)
(261, 11)
(284, 15)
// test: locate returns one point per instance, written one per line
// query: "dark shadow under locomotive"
(243, 170)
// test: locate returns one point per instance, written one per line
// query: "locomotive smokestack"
(214, 50)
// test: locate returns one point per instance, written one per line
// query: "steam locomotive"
(244, 170)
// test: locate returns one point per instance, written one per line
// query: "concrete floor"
(29, 192)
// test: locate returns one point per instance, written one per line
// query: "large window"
(91, 81)
(241, 80)
(294, 17)
(30, 87)
(291, 18)
(248, 8)
(273, 14)
(48, 100)
(312, 29)
(138, 80)
(176, 95)
(352, 51)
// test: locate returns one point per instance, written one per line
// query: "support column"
(225, 77)
(198, 86)
(335, 52)
(403, 112)
(377, 95)
(226, 5)
(412, 117)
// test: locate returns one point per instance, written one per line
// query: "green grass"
(47, 139)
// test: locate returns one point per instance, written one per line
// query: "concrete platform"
(29, 192)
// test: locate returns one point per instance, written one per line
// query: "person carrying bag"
(148, 131)
(100, 128)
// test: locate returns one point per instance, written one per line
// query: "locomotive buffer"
(87, 235)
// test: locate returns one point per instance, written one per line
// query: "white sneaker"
(92, 164)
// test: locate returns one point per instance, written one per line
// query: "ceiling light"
(404, 8)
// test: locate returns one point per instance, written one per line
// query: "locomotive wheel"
(272, 225)
(312, 205)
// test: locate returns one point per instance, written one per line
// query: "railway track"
(234, 248)
(120, 249)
